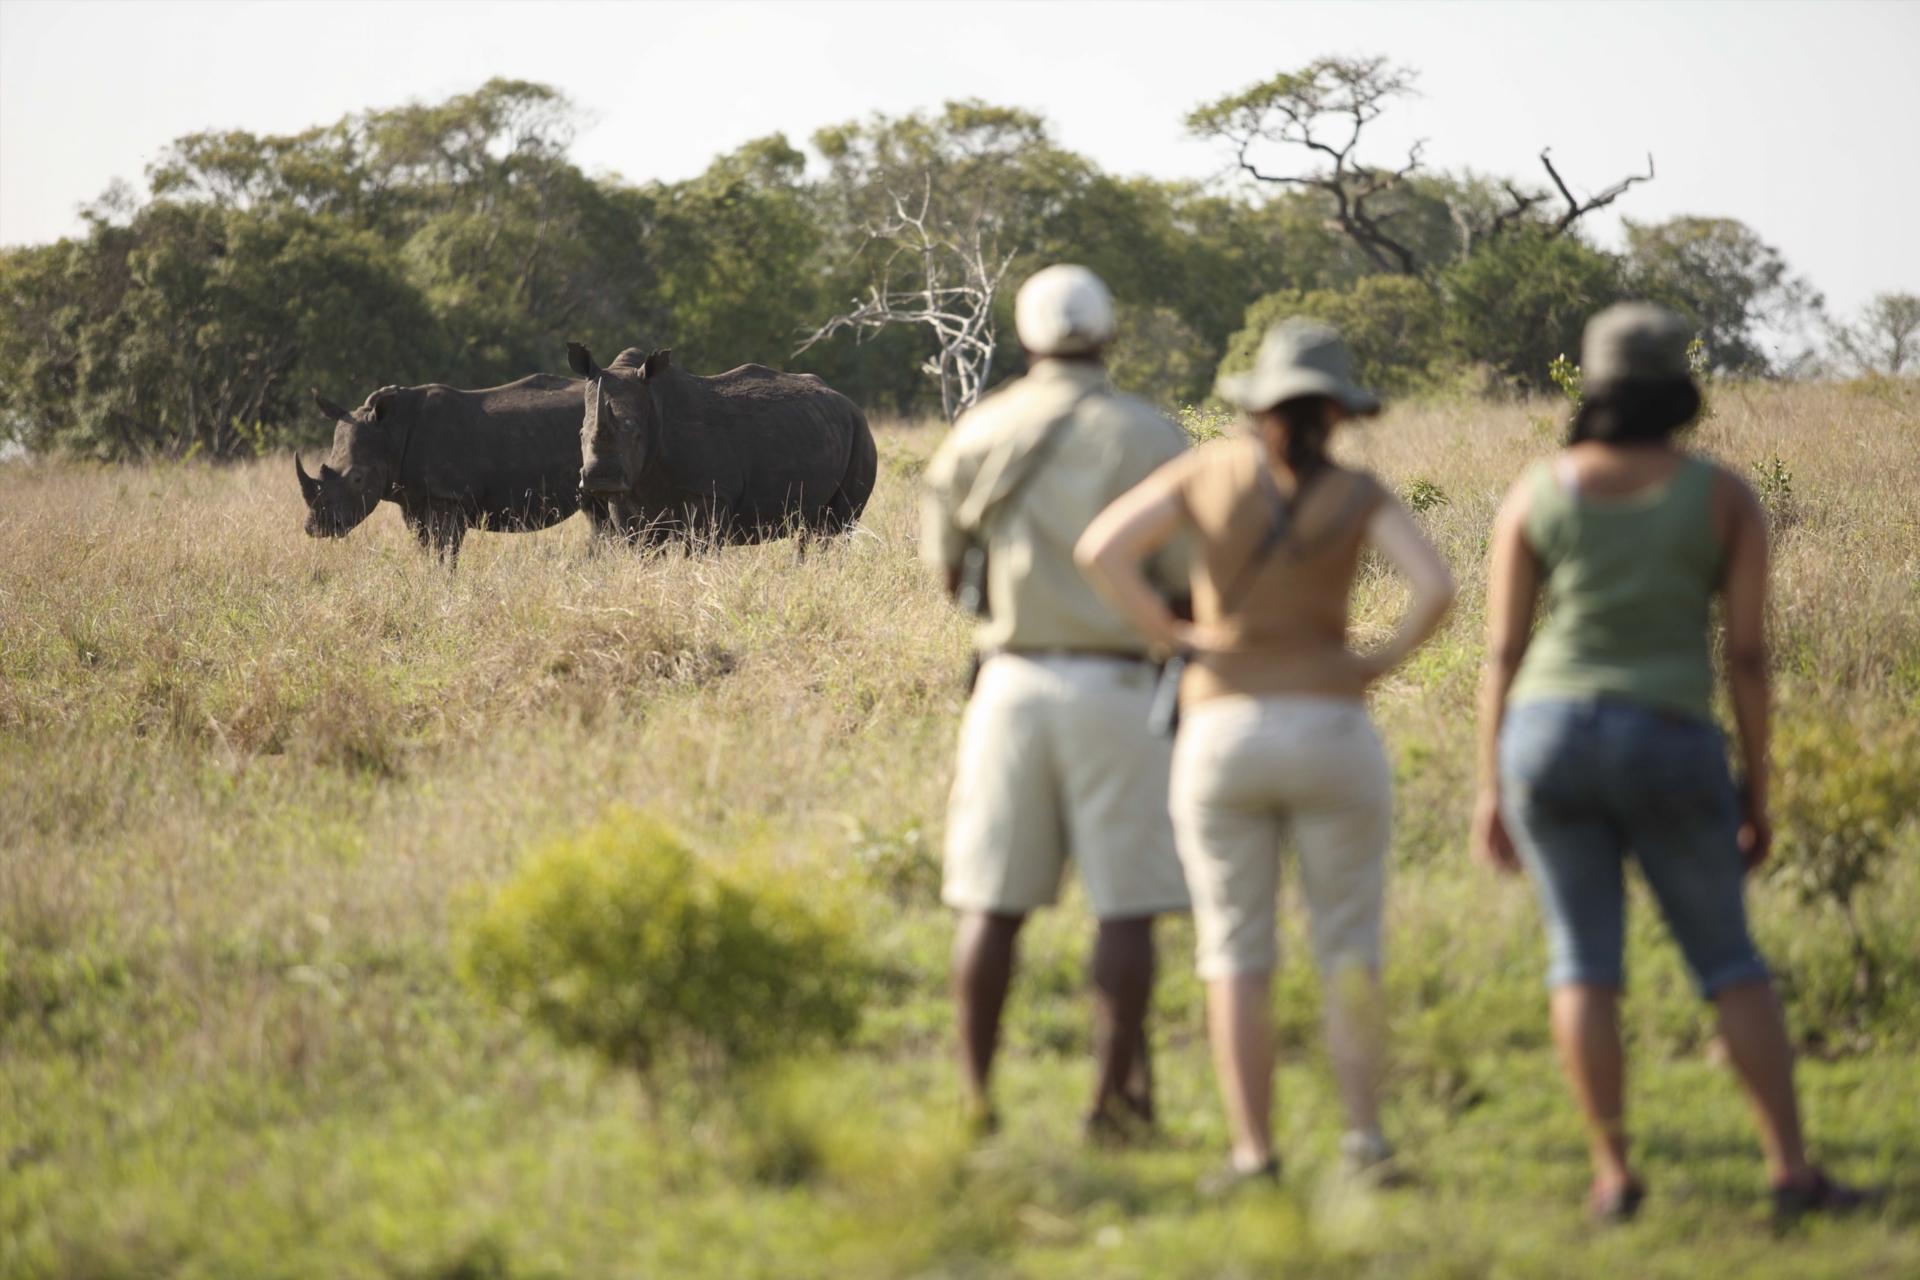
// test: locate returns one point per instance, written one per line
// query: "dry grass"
(245, 776)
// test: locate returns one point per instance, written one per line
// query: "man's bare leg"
(983, 957)
(1123, 964)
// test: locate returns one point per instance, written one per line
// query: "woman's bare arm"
(1744, 586)
(1513, 587)
(1399, 539)
(1121, 538)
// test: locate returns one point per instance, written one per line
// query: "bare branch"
(1577, 209)
(960, 277)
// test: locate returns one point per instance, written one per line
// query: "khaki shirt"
(1113, 442)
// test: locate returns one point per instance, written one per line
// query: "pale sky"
(1802, 120)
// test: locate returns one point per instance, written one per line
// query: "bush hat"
(1635, 342)
(1298, 357)
(1063, 310)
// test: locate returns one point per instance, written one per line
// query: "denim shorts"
(1585, 783)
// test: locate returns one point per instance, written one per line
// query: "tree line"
(458, 242)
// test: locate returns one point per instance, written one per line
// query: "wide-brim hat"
(1298, 357)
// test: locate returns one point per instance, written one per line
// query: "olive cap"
(1635, 342)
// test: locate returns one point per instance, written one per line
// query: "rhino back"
(510, 454)
(770, 439)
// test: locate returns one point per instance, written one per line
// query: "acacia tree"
(1324, 109)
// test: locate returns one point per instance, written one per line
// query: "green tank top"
(1628, 584)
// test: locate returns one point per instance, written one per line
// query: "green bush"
(1519, 303)
(619, 940)
(1391, 323)
(1842, 802)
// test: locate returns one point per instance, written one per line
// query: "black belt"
(1112, 655)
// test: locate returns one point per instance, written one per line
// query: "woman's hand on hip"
(1200, 637)
(1756, 835)
(1492, 845)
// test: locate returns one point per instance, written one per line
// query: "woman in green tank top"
(1597, 737)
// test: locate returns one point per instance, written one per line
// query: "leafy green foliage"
(1773, 482)
(1203, 424)
(1567, 376)
(1728, 284)
(1884, 339)
(1522, 300)
(1392, 323)
(1424, 495)
(1843, 800)
(620, 941)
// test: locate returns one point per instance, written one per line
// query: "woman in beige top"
(1274, 736)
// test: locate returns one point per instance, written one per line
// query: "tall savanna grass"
(250, 783)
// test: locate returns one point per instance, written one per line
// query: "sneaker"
(1366, 1156)
(1222, 1183)
(1821, 1194)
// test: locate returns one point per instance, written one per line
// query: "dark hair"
(1634, 410)
(1308, 427)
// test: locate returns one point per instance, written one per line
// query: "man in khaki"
(1055, 758)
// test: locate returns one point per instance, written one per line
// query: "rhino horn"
(309, 487)
(328, 407)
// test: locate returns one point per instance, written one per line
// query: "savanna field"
(255, 790)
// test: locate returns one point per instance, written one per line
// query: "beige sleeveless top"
(1284, 615)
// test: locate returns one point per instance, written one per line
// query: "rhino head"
(621, 426)
(356, 475)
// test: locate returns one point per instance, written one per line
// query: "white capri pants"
(1246, 772)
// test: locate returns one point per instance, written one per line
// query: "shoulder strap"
(1280, 526)
(982, 502)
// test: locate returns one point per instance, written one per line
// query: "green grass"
(251, 783)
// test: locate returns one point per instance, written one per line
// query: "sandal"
(1793, 1201)
(1617, 1205)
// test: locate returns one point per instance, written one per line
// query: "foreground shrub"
(620, 941)
(1842, 803)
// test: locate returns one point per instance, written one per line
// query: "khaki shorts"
(1056, 761)
(1246, 772)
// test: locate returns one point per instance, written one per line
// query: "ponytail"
(1307, 432)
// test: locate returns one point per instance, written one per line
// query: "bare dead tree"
(1514, 216)
(1578, 209)
(1324, 108)
(955, 280)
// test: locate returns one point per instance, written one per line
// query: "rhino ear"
(383, 405)
(328, 407)
(657, 362)
(580, 360)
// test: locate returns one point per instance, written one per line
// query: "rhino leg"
(445, 528)
(420, 525)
